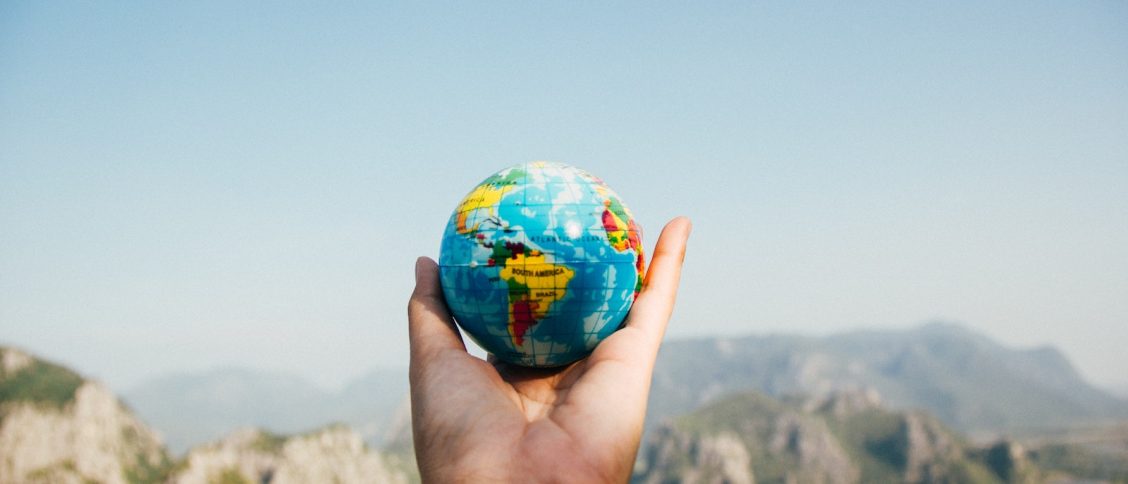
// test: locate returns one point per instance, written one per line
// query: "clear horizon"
(199, 185)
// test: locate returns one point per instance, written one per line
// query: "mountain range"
(967, 380)
(964, 378)
(194, 408)
(855, 407)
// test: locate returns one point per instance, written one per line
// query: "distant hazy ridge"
(856, 407)
(191, 409)
(964, 378)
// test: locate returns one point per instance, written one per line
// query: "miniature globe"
(540, 262)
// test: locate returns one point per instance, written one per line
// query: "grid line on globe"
(540, 262)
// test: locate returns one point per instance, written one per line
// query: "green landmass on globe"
(540, 262)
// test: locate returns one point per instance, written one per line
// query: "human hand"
(489, 421)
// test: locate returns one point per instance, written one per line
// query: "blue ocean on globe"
(540, 262)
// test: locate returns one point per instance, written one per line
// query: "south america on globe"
(540, 262)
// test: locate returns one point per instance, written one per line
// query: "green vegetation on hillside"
(733, 415)
(872, 439)
(39, 382)
(269, 442)
(789, 441)
(143, 469)
(1075, 460)
(231, 475)
(145, 472)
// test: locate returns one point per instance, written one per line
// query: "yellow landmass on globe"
(485, 196)
(535, 284)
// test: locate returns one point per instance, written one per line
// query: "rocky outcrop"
(1010, 461)
(843, 437)
(844, 403)
(708, 459)
(809, 443)
(747, 438)
(928, 449)
(55, 427)
(334, 454)
(12, 361)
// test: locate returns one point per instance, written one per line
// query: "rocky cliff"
(334, 454)
(842, 437)
(56, 427)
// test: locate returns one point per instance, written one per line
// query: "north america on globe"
(540, 262)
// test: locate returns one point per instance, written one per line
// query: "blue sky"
(191, 185)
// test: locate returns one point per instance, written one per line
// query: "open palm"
(476, 420)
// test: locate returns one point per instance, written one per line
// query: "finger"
(651, 311)
(619, 370)
(430, 327)
(638, 342)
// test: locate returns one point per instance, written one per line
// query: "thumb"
(430, 326)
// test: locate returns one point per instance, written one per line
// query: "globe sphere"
(540, 262)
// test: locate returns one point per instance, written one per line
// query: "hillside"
(57, 427)
(967, 380)
(332, 454)
(846, 437)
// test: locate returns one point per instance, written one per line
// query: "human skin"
(478, 420)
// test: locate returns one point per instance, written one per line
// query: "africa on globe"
(540, 262)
